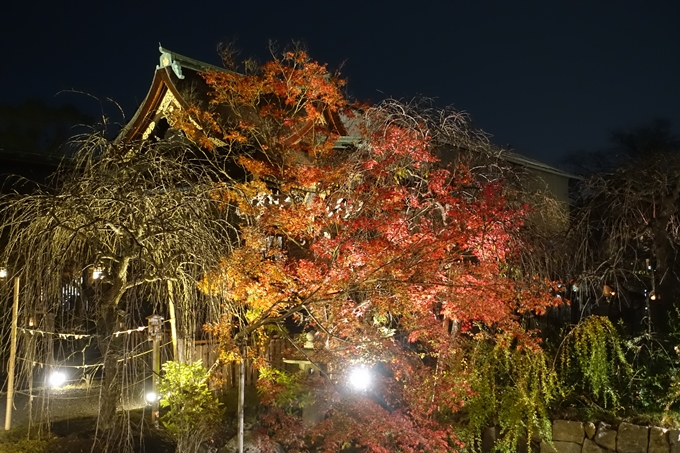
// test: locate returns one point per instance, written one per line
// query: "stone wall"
(578, 437)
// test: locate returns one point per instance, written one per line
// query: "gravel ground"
(73, 415)
(62, 404)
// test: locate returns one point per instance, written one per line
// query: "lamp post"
(311, 413)
(155, 334)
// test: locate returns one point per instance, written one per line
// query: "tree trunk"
(112, 349)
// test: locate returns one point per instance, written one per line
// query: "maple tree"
(377, 247)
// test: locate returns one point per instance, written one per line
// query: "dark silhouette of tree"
(627, 224)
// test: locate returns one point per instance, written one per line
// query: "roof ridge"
(177, 62)
(518, 158)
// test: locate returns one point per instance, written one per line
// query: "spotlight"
(151, 397)
(359, 377)
(57, 379)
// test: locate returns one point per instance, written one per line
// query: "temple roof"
(177, 83)
(536, 165)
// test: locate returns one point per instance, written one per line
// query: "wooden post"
(50, 319)
(173, 321)
(155, 330)
(12, 356)
(155, 407)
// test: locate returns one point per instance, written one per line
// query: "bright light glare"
(151, 397)
(3, 272)
(57, 379)
(360, 378)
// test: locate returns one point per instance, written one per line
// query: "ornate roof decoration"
(166, 60)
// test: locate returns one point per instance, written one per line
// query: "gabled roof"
(177, 76)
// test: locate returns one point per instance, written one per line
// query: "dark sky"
(545, 77)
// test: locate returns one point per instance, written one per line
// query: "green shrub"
(512, 386)
(279, 388)
(655, 384)
(592, 362)
(193, 413)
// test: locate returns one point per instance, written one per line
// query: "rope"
(56, 365)
(78, 336)
(42, 364)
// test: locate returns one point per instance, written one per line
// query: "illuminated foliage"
(380, 248)
(193, 412)
(593, 352)
(513, 385)
(121, 229)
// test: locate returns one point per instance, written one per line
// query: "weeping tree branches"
(627, 224)
(118, 223)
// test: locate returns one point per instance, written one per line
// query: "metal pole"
(12, 356)
(241, 394)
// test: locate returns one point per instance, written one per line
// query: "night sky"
(544, 77)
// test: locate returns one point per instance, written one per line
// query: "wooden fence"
(227, 373)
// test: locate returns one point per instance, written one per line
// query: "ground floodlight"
(151, 397)
(57, 379)
(359, 377)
